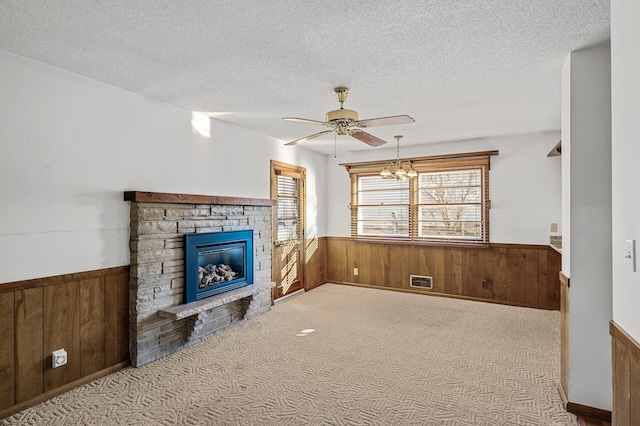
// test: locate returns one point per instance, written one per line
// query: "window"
(382, 207)
(448, 201)
(450, 204)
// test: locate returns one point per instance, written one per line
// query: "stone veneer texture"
(157, 273)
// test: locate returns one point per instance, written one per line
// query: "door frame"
(295, 172)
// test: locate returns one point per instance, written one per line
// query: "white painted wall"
(70, 146)
(587, 150)
(566, 165)
(625, 106)
(525, 184)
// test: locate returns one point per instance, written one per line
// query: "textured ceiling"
(462, 69)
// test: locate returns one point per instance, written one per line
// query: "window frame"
(451, 162)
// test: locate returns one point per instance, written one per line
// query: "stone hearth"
(161, 322)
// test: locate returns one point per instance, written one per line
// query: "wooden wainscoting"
(85, 313)
(520, 275)
(563, 386)
(626, 377)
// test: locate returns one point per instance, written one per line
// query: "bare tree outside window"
(450, 204)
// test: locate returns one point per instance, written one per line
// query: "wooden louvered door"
(288, 188)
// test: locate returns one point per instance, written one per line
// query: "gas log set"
(212, 274)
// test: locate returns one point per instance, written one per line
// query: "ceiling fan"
(346, 122)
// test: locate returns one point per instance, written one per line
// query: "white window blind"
(288, 208)
(382, 207)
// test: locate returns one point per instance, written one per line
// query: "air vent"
(421, 281)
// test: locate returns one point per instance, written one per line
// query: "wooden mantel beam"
(160, 197)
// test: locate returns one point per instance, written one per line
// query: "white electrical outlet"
(58, 358)
(630, 255)
(355, 271)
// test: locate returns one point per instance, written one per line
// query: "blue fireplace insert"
(217, 262)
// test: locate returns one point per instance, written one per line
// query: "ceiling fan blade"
(305, 120)
(367, 138)
(316, 135)
(385, 121)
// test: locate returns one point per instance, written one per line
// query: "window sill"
(433, 243)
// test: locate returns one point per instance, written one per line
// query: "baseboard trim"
(289, 296)
(583, 410)
(591, 412)
(563, 395)
(62, 389)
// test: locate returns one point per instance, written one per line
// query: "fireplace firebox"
(217, 262)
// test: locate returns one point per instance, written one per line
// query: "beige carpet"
(373, 358)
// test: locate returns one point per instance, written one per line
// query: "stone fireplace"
(231, 241)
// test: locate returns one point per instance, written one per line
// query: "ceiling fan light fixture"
(412, 172)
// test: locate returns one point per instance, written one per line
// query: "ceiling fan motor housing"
(342, 119)
(341, 115)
